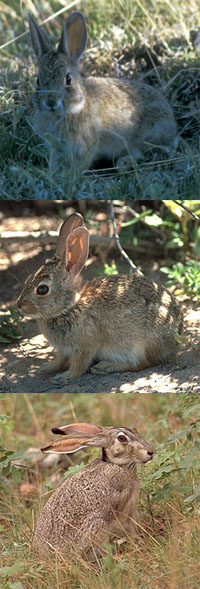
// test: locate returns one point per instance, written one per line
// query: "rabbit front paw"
(47, 368)
(61, 379)
(105, 366)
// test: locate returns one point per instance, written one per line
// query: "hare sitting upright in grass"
(94, 117)
(110, 324)
(99, 502)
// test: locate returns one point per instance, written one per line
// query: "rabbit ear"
(39, 39)
(74, 36)
(77, 247)
(77, 440)
(78, 435)
(65, 446)
(75, 220)
(84, 428)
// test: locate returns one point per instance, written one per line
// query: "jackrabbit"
(109, 324)
(94, 117)
(100, 501)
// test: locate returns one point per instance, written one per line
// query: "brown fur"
(100, 501)
(95, 117)
(111, 324)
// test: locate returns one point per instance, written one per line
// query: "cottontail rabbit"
(94, 117)
(100, 501)
(110, 324)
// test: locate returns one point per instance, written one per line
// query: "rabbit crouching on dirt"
(110, 324)
(94, 117)
(99, 502)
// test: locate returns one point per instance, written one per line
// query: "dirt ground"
(20, 361)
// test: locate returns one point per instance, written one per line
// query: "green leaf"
(11, 570)
(16, 474)
(153, 220)
(192, 498)
(6, 470)
(74, 469)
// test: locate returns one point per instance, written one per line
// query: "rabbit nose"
(150, 453)
(51, 103)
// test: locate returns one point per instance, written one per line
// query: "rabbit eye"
(122, 438)
(42, 289)
(68, 79)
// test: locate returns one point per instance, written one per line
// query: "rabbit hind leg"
(109, 366)
(126, 162)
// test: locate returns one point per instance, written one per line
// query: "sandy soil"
(19, 362)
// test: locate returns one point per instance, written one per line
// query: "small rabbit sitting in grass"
(94, 117)
(109, 324)
(99, 502)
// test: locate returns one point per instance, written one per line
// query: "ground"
(20, 361)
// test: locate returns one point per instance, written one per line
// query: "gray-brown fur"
(99, 502)
(110, 324)
(95, 117)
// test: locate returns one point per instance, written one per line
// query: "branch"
(116, 236)
(188, 211)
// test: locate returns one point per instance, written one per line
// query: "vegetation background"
(166, 552)
(154, 40)
(161, 238)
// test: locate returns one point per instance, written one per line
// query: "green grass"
(121, 34)
(166, 552)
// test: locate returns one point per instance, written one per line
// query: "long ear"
(77, 247)
(82, 428)
(76, 441)
(78, 435)
(65, 446)
(72, 222)
(40, 41)
(74, 36)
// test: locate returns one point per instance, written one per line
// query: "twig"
(116, 236)
(188, 211)
(34, 416)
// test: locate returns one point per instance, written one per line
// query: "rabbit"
(94, 117)
(99, 502)
(116, 323)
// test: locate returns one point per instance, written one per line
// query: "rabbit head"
(58, 78)
(121, 446)
(54, 286)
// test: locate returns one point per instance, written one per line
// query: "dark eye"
(42, 289)
(122, 438)
(68, 79)
(37, 82)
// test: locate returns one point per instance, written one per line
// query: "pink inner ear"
(77, 246)
(73, 252)
(74, 36)
(72, 222)
(64, 446)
